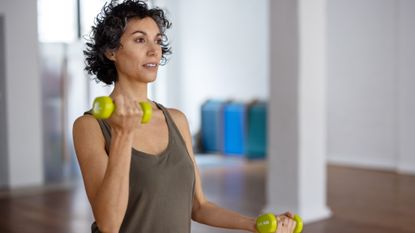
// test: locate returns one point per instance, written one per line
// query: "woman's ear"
(110, 54)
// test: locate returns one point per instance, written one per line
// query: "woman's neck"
(134, 90)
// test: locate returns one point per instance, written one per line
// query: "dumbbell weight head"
(299, 224)
(147, 112)
(266, 223)
(103, 107)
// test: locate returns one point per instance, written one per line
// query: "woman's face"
(139, 54)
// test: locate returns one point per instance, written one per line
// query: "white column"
(406, 82)
(297, 134)
(23, 93)
(4, 163)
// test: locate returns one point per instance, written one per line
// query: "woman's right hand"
(126, 116)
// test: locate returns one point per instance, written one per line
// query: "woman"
(141, 178)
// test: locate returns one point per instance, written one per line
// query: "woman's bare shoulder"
(87, 134)
(179, 118)
(85, 123)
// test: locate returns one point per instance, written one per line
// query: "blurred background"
(329, 83)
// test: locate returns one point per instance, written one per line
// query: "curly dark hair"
(108, 29)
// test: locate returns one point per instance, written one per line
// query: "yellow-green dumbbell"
(103, 107)
(267, 223)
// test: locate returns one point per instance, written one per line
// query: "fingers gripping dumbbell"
(267, 223)
(103, 107)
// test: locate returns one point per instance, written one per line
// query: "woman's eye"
(159, 41)
(140, 40)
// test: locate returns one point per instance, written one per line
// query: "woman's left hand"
(286, 224)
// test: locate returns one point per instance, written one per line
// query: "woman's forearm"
(216, 216)
(111, 199)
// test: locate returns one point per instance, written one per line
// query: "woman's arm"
(204, 211)
(213, 215)
(207, 212)
(106, 177)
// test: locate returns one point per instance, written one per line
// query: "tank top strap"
(106, 131)
(172, 124)
(165, 111)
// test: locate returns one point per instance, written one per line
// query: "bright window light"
(89, 10)
(57, 20)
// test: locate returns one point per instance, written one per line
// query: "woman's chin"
(147, 78)
(150, 79)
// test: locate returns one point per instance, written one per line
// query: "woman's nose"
(153, 49)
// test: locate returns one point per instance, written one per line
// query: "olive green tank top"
(161, 186)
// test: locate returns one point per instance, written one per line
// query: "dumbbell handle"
(268, 223)
(103, 107)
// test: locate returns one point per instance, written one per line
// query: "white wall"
(368, 78)
(220, 51)
(23, 93)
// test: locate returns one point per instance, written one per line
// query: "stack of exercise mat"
(234, 128)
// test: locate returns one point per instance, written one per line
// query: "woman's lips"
(151, 66)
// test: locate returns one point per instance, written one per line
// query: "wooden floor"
(362, 201)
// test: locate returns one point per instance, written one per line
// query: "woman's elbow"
(196, 216)
(196, 213)
(199, 211)
(108, 227)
